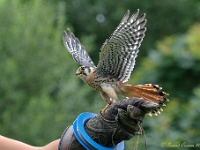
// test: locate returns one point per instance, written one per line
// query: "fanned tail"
(149, 92)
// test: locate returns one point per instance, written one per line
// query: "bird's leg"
(108, 94)
(107, 99)
(104, 109)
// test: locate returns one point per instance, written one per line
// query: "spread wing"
(118, 53)
(75, 48)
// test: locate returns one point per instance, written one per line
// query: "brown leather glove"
(121, 121)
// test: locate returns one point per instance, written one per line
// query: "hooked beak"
(77, 73)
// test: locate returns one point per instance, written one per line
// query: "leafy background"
(40, 94)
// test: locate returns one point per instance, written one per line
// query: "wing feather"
(118, 53)
(75, 48)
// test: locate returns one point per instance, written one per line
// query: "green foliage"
(26, 63)
(163, 18)
(175, 64)
(40, 94)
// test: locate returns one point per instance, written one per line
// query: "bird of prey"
(116, 62)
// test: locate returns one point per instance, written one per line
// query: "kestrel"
(116, 62)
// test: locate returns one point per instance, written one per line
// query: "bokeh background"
(40, 94)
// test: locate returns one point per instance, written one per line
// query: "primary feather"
(75, 48)
(118, 53)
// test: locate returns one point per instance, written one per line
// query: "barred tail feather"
(147, 91)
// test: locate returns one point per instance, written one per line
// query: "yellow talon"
(104, 109)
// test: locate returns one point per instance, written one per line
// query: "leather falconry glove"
(121, 121)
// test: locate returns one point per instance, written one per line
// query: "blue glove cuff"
(86, 141)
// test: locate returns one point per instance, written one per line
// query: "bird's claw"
(104, 109)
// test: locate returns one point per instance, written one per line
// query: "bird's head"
(84, 72)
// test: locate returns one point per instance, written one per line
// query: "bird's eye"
(82, 67)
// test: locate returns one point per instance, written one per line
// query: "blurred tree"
(35, 85)
(99, 19)
(175, 65)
